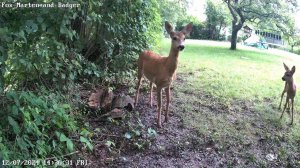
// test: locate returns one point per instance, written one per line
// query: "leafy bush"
(35, 125)
(121, 32)
(45, 53)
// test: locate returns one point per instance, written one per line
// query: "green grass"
(219, 83)
(243, 74)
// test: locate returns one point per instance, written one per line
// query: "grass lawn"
(231, 98)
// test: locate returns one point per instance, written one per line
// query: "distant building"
(269, 37)
(273, 38)
(247, 30)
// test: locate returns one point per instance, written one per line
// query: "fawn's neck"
(290, 83)
(172, 60)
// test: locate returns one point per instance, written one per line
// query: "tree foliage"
(173, 10)
(217, 19)
(290, 32)
(259, 12)
(199, 30)
(116, 33)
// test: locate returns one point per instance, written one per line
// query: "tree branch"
(231, 10)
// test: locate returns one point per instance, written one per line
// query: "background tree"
(199, 30)
(293, 37)
(217, 18)
(257, 11)
(291, 32)
(172, 10)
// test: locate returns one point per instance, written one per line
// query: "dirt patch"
(175, 145)
(172, 146)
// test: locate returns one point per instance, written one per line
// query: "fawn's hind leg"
(151, 88)
(159, 106)
(168, 93)
(292, 111)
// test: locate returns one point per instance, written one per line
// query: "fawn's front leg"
(292, 111)
(137, 90)
(281, 100)
(168, 93)
(159, 106)
(286, 102)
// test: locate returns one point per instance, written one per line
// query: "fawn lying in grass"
(289, 89)
(160, 70)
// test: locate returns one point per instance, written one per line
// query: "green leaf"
(63, 76)
(88, 143)
(22, 35)
(15, 110)
(14, 124)
(72, 76)
(46, 70)
(84, 132)
(90, 146)
(66, 106)
(44, 26)
(62, 137)
(70, 145)
(3, 31)
(40, 19)
(15, 97)
(21, 143)
(30, 26)
(83, 139)
(54, 144)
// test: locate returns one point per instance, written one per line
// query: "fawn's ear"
(286, 67)
(293, 69)
(168, 27)
(187, 29)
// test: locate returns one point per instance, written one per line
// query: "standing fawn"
(289, 89)
(161, 70)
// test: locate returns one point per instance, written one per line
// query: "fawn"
(289, 89)
(161, 70)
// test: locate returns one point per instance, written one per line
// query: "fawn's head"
(178, 38)
(288, 75)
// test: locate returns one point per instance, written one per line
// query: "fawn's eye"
(174, 38)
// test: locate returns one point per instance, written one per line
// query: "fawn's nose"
(283, 78)
(181, 47)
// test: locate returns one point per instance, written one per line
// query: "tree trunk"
(237, 24)
(233, 39)
(234, 33)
